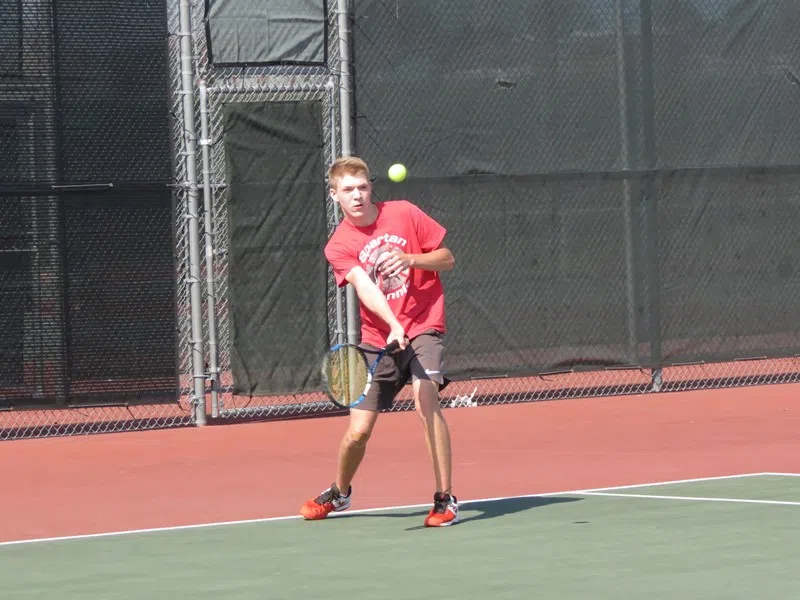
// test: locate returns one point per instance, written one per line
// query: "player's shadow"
(488, 509)
(475, 510)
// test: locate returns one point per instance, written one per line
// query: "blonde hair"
(346, 165)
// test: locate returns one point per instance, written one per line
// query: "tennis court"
(731, 537)
(210, 513)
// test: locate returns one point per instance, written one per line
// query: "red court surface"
(94, 484)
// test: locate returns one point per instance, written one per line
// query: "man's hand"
(397, 262)
(399, 334)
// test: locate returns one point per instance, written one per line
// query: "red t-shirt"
(416, 297)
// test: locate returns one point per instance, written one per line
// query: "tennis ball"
(397, 172)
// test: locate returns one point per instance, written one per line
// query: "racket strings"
(346, 374)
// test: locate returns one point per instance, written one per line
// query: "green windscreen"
(278, 274)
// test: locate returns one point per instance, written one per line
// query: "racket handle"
(394, 346)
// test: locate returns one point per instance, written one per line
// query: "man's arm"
(373, 299)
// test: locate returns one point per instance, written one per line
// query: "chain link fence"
(87, 269)
(559, 125)
(622, 220)
(639, 210)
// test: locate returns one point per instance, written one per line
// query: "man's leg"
(427, 375)
(351, 452)
(437, 437)
(437, 434)
(354, 446)
(354, 443)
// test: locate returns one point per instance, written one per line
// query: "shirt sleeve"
(429, 232)
(342, 260)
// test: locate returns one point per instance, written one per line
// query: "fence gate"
(269, 131)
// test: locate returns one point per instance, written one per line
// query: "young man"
(391, 253)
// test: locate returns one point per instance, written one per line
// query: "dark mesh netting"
(619, 178)
(87, 270)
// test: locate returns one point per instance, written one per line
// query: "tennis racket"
(346, 374)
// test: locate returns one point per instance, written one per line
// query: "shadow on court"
(486, 509)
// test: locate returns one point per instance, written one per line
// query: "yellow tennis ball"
(397, 172)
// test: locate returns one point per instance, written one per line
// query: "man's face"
(353, 193)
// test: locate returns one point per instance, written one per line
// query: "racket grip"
(394, 346)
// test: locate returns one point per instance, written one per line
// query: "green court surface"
(725, 538)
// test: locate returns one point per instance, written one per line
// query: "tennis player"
(391, 252)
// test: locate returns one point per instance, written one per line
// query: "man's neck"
(367, 220)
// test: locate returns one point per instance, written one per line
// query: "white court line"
(89, 536)
(782, 474)
(693, 498)
(673, 482)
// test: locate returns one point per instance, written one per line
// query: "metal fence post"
(345, 108)
(628, 205)
(196, 306)
(210, 241)
(331, 86)
(649, 190)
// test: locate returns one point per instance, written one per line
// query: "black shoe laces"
(440, 504)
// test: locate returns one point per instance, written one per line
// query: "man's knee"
(356, 438)
(426, 396)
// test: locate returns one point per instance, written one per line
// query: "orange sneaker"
(331, 500)
(444, 511)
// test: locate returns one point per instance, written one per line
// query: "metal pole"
(210, 239)
(630, 261)
(345, 85)
(195, 300)
(331, 85)
(345, 109)
(650, 190)
(48, 228)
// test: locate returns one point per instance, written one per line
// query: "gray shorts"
(423, 359)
